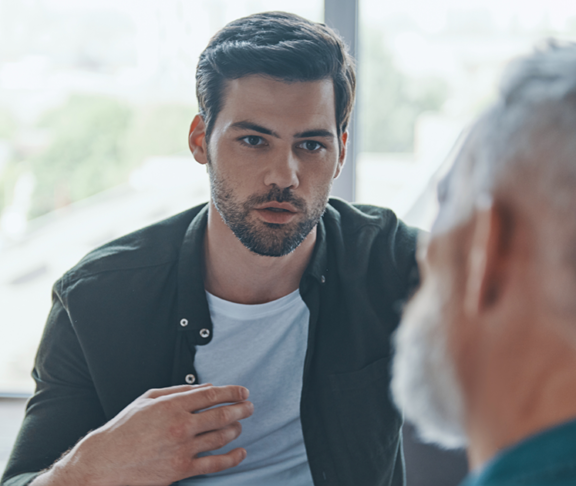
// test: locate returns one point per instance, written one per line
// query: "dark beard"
(273, 240)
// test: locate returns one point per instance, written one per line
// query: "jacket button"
(204, 333)
(323, 279)
(190, 379)
(184, 322)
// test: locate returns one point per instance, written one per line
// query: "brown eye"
(311, 145)
(252, 140)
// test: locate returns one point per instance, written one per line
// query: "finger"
(219, 417)
(217, 463)
(199, 399)
(170, 390)
(211, 441)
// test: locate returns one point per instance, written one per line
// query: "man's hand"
(155, 440)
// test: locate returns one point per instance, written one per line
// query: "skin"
(155, 440)
(253, 161)
(508, 341)
(291, 143)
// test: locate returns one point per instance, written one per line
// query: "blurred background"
(96, 97)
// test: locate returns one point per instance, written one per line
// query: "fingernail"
(245, 393)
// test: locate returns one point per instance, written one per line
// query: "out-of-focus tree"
(96, 141)
(8, 124)
(84, 155)
(160, 129)
(390, 101)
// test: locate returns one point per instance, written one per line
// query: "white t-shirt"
(261, 347)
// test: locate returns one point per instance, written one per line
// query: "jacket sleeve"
(64, 407)
(404, 247)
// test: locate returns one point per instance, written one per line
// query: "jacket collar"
(193, 312)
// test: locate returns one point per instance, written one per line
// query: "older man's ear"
(488, 256)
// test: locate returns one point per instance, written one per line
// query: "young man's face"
(272, 156)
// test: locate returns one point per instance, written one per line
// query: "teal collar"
(535, 460)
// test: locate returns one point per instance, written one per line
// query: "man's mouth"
(276, 213)
(277, 210)
(277, 207)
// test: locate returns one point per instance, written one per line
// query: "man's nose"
(282, 170)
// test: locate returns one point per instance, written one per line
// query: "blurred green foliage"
(85, 152)
(94, 142)
(8, 124)
(389, 101)
(160, 129)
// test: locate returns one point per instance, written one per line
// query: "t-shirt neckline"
(237, 311)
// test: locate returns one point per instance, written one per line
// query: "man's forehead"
(259, 85)
(303, 105)
(454, 190)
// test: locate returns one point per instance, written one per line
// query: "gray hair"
(524, 148)
(530, 130)
(532, 127)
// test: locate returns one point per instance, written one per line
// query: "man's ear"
(342, 154)
(197, 140)
(489, 250)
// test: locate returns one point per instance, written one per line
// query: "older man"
(486, 353)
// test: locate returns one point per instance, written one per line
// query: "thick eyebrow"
(246, 125)
(315, 133)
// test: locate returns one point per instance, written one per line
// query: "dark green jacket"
(115, 331)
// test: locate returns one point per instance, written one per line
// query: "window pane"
(426, 69)
(96, 98)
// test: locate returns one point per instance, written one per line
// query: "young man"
(486, 353)
(269, 288)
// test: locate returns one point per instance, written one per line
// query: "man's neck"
(531, 392)
(234, 273)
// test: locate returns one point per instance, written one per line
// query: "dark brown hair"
(280, 45)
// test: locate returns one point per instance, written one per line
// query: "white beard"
(424, 383)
